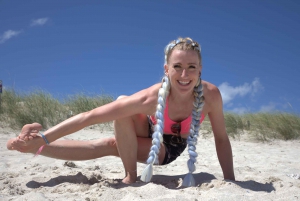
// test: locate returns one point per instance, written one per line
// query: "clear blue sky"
(250, 49)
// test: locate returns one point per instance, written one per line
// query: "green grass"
(262, 126)
(18, 109)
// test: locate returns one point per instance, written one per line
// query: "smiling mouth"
(184, 83)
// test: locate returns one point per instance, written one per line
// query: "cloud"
(39, 22)
(268, 108)
(8, 35)
(240, 110)
(229, 92)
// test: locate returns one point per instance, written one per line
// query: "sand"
(264, 171)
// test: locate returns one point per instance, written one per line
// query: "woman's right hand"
(29, 131)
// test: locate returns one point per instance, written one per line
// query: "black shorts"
(173, 150)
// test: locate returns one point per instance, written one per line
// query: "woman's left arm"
(222, 142)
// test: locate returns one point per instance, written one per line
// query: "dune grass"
(264, 126)
(18, 109)
(259, 126)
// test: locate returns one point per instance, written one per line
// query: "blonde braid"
(157, 137)
(194, 133)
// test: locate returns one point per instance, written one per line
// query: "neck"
(180, 98)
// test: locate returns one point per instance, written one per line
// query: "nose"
(184, 73)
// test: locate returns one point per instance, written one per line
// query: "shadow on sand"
(170, 182)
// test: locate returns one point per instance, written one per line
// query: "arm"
(140, 102)
(222, 142)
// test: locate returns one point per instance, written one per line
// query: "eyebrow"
(188, 63)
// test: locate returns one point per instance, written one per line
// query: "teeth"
(184, 83)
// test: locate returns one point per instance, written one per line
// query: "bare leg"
(133, 143)
(67, 149)
(78, 150)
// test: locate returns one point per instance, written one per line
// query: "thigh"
(141, 125)
(144, 145)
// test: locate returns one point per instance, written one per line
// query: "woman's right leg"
(80, 150)
(67, 149)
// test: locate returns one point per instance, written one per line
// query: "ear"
(200, 72)
(166, 69)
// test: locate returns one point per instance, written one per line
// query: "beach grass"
(262, 126)
(18, 109)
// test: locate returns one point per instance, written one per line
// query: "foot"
(30, 146)
(130, 178)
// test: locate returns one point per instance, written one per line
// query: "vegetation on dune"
(262, 126)
(18, 109)
(38, 106)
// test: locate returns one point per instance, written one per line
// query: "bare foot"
(29, 131)
(29, 146)
(130, 179)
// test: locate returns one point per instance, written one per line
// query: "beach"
(263, 171)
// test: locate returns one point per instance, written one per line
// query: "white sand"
(261, 171)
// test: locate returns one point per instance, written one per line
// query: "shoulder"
(211, 92)
(212, 98)
(143, 101)
(148, 94)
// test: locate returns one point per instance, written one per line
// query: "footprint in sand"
(70, 164)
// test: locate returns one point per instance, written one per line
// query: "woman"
(169, 105)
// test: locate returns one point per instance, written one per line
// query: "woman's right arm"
(141, 102)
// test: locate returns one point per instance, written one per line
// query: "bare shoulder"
(146, 99)
(211, 92)
(213, 100)
(148, 94)
(142, 102)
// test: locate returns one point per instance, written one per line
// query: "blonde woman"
(153, 126)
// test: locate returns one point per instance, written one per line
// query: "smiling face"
(183, 69)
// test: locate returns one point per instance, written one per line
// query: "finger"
(18, 140)
(25, 138)
(36, 126)
(33, 134)
(28, 128)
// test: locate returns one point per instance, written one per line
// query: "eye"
(192, 68)
(177, 67)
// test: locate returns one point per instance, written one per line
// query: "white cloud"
(240, 110)
(39, 22)
(229, 92)
(268, 108)
(8, 35)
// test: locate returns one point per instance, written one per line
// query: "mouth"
(184, 83)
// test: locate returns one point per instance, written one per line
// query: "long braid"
(157, 137)
(194, 133)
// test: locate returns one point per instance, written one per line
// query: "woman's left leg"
(133, 143)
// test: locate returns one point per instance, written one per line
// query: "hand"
(29, 131)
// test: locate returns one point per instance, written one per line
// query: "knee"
(119, 97)
(111, 142)
(122, 96)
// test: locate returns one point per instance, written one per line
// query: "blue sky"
(250, 49)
